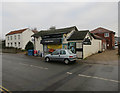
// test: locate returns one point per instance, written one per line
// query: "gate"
(79, 50)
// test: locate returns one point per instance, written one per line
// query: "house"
(19, 38)
(108, 42)
(83, 43)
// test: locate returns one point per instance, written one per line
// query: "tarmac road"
(25, 73)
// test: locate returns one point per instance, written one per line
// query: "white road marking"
(81, 75)
(34, 66)
(69, 73)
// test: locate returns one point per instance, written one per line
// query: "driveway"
(108, 57)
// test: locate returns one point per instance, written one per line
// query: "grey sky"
(84, 15)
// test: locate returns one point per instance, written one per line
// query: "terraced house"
(19, 38)
(83, 43)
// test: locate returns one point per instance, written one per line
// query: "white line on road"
(34, 66)
(69, 73)
(81, 75)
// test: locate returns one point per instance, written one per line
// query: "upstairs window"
(18, 36)
(106, 34)
(11, 37)
(15, 37)
(8, 37)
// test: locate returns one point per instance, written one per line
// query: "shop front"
(51, 44)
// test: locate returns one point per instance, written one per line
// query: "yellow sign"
(54, 46)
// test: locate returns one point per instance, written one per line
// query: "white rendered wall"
(13, 41)
(96, 45)
(37, 44)
(26, 37)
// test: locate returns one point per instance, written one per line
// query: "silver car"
(64, 55)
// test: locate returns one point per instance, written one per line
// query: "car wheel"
(47, 59)
(66, 61)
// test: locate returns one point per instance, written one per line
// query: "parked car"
(64, 55)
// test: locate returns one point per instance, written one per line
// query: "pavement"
(27, 73)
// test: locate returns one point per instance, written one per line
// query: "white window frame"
(15, 37)
(11, 37)
(8, 37)
(18, 36)
(106, 34)
(19, 44)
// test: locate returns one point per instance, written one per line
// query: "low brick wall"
(11, 51)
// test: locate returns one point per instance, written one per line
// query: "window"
(18, 36)
(15, 43)
(8, 37)
(15, 37)
(11, 37)
(11, 44)
(19, 44)
(56, 52)
(106, 34)
(8, 44)
(62, 52)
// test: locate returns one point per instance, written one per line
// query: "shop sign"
(51, 41)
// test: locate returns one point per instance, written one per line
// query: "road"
(26, 73)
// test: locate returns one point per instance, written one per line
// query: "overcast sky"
(84, 15)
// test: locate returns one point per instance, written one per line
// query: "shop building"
(83, 43)
(49, 40)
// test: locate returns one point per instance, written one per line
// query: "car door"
(62, 55)
(55, 55)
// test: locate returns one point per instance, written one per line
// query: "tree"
(29, 45)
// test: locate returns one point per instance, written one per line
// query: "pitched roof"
(34, 31)
(96, 36)
(78, 35)
(54, 31)
(101, 30)
(16, 32)
(19, 31)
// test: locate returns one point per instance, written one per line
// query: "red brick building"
(109, 40)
